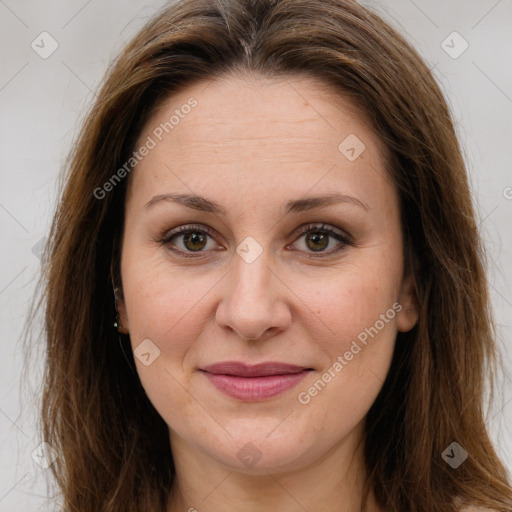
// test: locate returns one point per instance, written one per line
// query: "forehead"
(260, 134)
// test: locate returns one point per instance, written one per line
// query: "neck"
(333, 482)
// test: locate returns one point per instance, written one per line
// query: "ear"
(408, 315)
(121, 311)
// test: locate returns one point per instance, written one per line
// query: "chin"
(261, 450)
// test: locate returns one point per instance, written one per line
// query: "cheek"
(167, 307)
(354, 318)
(347, 303)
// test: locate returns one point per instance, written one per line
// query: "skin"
(251, 144)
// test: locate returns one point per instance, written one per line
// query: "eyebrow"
(202, 204)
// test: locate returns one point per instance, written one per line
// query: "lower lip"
(255, 388)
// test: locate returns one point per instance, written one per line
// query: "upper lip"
(240, 369)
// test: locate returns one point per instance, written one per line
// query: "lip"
(254, 382)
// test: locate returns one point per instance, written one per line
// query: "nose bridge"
(251, 290)
(251, 279)
(252, 304)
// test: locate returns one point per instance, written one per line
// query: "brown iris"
(319, 239)
(197, 241)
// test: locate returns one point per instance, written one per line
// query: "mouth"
(254, 382)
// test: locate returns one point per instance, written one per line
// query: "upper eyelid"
(179, 230)
(321, 226)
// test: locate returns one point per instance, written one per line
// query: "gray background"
(43, 101)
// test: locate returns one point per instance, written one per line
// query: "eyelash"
(196, 228)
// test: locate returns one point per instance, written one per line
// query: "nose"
(254, 303)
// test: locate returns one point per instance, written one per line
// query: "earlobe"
(409, 314)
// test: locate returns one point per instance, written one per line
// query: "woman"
(269, 203)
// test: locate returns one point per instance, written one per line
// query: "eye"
(190, 239)
(318, 237)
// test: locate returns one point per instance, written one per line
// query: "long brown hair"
(113, 445)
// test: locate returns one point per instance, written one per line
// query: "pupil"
(318, 238)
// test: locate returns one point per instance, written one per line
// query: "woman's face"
(255, 278)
